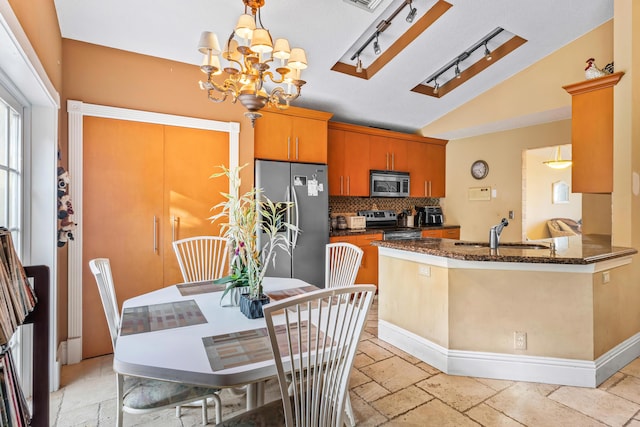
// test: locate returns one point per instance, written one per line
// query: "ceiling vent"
(369, 5)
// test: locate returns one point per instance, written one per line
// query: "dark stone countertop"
(348, 232)
(569, 250)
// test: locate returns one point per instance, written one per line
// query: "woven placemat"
(156, 317)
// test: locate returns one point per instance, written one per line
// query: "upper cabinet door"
(309, 140)
(386, 153)
(272, 137)
(592, 134)
(356, 164)
(290, 137)
(427, 169)
(336, 162)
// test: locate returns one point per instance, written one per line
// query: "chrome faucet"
(494, 233)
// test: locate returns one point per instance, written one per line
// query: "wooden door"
(309, 140)
(191, 156)
(272, 137)
(336, 162)
(122, 195)
(356, 170)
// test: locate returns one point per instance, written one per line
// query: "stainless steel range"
(387, 221)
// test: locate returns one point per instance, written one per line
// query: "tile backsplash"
(345, 204)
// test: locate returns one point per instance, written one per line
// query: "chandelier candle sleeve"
(249, 53)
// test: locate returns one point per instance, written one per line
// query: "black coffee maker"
(429, 215)
(421, 216)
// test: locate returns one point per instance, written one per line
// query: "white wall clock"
(479, 169)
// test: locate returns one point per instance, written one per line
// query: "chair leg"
(205, 416)
(218, 402)
(119, 391)
(348, 409)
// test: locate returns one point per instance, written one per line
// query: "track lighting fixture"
(383, 25)
(376, 47)
(487, 52)
(444, 72)
(412, 13)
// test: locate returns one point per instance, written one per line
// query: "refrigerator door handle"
(287, 199)
(297, 231)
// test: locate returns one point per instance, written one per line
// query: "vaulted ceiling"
(331, 31)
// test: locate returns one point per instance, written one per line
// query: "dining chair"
(202, 257)
(139, 395)
(314, 338)
(342, 262)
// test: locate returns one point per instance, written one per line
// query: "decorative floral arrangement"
(244, 216)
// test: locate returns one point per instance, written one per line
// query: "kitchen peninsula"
(524, 311)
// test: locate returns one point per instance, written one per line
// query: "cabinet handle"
(393, 161)
(155, 233)
(289, 148)
(297, 148)
(174, 225)
(348, 186)
(387, 161)
(429, 188)
(341, 186)
(426, 193)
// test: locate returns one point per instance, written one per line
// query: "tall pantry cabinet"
(144, 186)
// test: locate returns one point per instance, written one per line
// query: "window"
(11, 168)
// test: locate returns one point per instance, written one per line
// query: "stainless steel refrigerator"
(305, 185)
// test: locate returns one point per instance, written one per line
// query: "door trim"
(76, 111)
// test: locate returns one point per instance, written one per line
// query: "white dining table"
(179, 353)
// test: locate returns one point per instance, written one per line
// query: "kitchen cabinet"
(592, 134)
(348, 163)
(386, 153)
(144, 185)
(445, 233)
(295, 134)
(355, 150)
(368, 272)
(427, 169)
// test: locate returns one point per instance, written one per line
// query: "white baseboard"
(62, 353)
(550, 370)
(74, 350)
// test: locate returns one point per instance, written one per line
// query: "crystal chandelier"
(249, 53)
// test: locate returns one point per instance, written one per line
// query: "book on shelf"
(17, 298)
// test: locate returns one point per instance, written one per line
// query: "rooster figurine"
(592, 71)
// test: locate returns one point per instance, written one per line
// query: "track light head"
(487, 52)
(359, 65)
(457, 70)
(436, 87)
(376, 47)
(412, 14)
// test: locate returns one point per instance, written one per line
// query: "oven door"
(389, 184)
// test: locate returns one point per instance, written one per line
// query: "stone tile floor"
(388, 388)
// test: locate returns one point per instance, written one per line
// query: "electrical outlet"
(424, 270)
(520, 340)
(511, 215)
(606, 277)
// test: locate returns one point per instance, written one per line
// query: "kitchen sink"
(503, 245)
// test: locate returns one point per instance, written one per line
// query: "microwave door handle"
(297, 230)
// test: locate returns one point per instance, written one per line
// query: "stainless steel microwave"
(389, 183)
